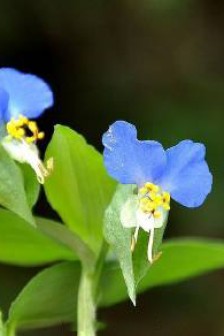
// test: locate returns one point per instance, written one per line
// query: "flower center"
(152, 198)
(23, 128)
(20, 143)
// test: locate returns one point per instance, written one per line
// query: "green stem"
(86, 306)
(1, 325)
(98, 268)
(9, 331)
(6, 330)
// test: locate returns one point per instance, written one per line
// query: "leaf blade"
(200, 256)
(12, 192)
(85, 187)
(22, 244)
(34, 307)
(63, 235)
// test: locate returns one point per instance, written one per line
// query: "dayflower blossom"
(23, 97)
(180, 172)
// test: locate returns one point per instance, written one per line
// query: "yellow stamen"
(32, 126)
(152, 198)
(143, 191)
(166, 196)
(166, 200)
(40, 135)
(17, 129)
(146, 205)
(157, 199)
(152, 187)
(157, 214)
(30, 139)
(50, 164)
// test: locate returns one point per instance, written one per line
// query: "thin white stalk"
(150, 245)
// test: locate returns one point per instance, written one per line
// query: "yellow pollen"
(166, 196)
(166, 200)
(143, 191)
(152, 199)
(147, 205)
(19, 128)
(157, 198)
(152, 187)
(157, 214)
(40, 135)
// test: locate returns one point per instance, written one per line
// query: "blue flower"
(180, 172)
(22, 94)
(22, 97)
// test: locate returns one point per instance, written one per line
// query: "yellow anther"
(166, 200)
(152, 187)
(20, 132)
(17, 123)
(30, 139)
(166, 196)
(143, 191)
(147, 205)
(32, 126)
(24, 120)
(19, 128)
(152, 198)
(157, 214)
(150, 207)
(157, 198)
(40, 135)
(166, 206)
(50, 164)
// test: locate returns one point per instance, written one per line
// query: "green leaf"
(49, 298)
(79, 188)
(185, 258)
(64, 235)
(12, 192)
(31, 185)
(12, 280)
(22, 244)
(119, 238)
(181, 259)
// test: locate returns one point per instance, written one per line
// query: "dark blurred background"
(160, 65)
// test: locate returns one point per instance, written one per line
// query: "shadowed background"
(158, 64)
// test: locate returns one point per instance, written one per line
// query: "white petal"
(145, 221)
(128, 212)
(26, 153)
(19, 150)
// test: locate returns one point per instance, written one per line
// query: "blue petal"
(187, 175)
(28, 94)
(129, 160)
(4, 99)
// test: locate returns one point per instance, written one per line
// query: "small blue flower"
(180, 172)
(23, 96)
